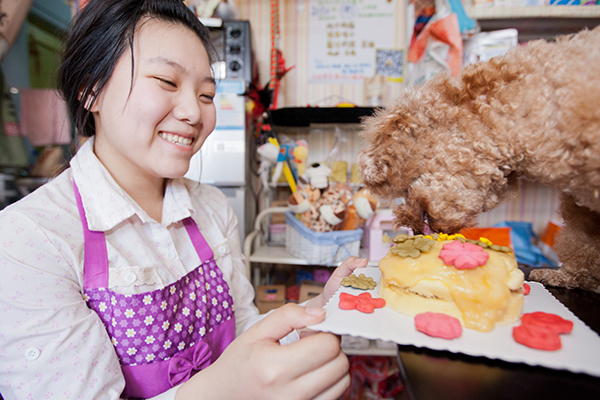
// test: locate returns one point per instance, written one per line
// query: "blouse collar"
(106, 204)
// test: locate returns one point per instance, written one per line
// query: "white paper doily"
(580, 352)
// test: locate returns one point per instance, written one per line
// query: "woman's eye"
(207, 97)
(166, 82)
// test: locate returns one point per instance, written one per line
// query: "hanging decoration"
(278, 69)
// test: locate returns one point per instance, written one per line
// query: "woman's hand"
(333, 284)
(256, 366)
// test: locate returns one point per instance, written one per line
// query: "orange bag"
(499, 236)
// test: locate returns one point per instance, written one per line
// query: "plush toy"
(317, 175)
(300, 156)
(283, 164)
(282, 157)
(320, 210)
(362, 207)
(268, 154)
(454, 148)
(302, 201)
(331, 211)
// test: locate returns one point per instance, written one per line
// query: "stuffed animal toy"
(302, 201)
(321, 211)
(362, 207)
(268, 154)
(300, 155)
(331, 211)
(454, 148)
(317, 175)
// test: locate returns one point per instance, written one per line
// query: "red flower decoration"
(363, 302)
(540, 330)
(463, 256)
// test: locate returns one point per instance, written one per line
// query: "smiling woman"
(114, 281)
(148, 126)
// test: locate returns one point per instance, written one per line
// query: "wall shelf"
(480, 13)
(257, 251)
(536, 22)
(278, 255)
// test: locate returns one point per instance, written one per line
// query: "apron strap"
(202, 248)
(95, 256)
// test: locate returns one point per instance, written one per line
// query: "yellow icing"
(486, 241)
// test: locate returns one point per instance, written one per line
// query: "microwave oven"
(233, 44)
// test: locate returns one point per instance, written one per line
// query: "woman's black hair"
(98, 38)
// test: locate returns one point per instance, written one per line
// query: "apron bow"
(183, 365)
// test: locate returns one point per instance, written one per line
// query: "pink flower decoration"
(463, 256)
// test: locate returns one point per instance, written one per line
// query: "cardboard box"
(310, 289)
(269, 297)
(278, 218)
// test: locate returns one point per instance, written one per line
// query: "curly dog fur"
(454, 148)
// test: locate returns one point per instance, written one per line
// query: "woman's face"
(149, 128)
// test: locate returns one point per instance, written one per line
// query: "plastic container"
(379, 233)
(277, 234)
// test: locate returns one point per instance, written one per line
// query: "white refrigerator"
(224, 160)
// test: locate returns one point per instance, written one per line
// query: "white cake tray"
(580, 352)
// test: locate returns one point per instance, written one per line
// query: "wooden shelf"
(485, 13)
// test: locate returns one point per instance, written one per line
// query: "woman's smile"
(176, 139)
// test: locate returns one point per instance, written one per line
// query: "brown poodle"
(454, 148)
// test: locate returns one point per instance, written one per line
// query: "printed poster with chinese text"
(344, 36)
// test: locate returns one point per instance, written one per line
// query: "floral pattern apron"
(165, 336)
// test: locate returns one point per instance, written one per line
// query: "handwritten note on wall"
(343, 38)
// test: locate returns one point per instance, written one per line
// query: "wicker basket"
(319, 248)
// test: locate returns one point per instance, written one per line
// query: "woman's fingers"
(328, 381)
(256, 366)
(284, 320)
(312, 352)
(335, 391)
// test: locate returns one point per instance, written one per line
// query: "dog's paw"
(549, 277)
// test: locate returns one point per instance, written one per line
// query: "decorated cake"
(477, 282)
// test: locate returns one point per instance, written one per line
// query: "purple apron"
(165, 336)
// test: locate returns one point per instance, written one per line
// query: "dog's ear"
(373, 168)
(485, 78)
